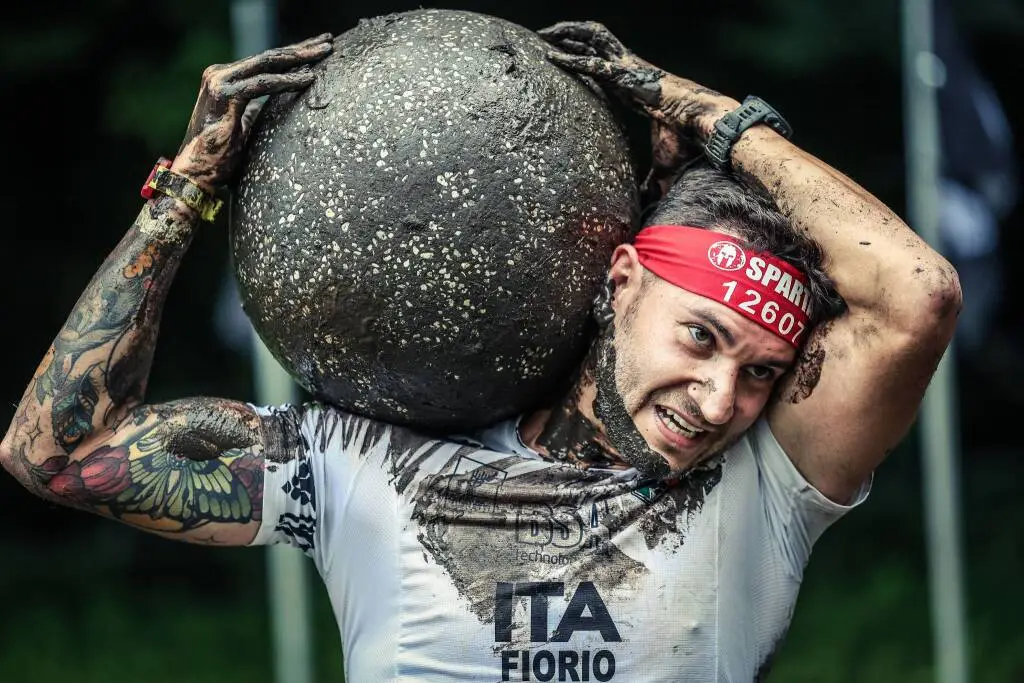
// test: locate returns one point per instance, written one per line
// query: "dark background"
(94, 92)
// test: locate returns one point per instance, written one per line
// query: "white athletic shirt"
(477, 560)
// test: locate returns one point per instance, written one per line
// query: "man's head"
(683, 374)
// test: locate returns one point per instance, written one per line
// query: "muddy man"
(765, 341)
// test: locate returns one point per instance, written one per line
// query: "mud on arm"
(81, 436)
(191, 469)
(860, 378)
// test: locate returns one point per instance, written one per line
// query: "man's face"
(692, 374)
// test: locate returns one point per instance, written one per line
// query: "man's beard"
(615, 375)
(619, 428)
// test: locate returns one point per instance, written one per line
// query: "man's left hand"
(588, 48)
(682, 112)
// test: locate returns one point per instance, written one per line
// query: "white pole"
(254, 27)
(287, 584)
(923, 72)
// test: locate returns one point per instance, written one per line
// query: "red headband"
(756, 285)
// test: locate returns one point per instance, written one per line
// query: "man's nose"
(717, 398)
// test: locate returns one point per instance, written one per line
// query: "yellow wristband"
(167, 182)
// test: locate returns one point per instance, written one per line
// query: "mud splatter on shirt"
(474, 559)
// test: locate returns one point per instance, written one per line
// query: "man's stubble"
(614, 378)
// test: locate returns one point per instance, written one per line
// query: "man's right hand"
(211, 153)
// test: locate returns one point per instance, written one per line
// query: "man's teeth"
(676, 424)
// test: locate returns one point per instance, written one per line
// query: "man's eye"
(761, 372)
(701, 335)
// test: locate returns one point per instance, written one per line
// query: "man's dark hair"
(704, 197)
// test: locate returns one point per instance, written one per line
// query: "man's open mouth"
(676, 424)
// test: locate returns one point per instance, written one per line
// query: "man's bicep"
(851, 398)
(191, 469)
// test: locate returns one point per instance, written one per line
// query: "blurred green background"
(95, 91)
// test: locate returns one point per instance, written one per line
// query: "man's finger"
(589, 32)
(576, 47)
(278, 59)
(639, 86)
(600, 69)
(562, 29)
(251, 113)
(271, 84)
(322, 38)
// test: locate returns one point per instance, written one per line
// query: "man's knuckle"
(226, 89)
(212, 73)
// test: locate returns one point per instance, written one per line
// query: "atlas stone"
(418, 237)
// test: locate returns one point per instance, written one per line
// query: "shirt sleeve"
(796, 511)
(292, 469)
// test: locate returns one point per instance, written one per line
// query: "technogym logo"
(552, 533)
(586, 611)
(556, 559)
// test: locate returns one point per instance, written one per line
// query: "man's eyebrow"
(709, 318)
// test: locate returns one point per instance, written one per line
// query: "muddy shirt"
(474, 559)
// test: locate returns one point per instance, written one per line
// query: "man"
(652, 526)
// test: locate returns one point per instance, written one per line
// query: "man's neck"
(570, 431)
(591, 426)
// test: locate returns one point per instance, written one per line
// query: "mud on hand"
(211, 152)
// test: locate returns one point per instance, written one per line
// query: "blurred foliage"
(97, 90)
(798, 38)
(146, 95)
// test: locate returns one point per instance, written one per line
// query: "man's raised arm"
(860, 377)
(81, 436)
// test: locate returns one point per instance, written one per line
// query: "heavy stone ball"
(418, 237)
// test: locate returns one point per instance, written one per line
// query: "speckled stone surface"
(418, 237)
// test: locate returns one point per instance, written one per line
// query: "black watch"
(728, 129)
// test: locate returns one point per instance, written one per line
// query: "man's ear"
(625, 276)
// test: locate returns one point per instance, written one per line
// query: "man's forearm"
(99, 363)
(874, 258)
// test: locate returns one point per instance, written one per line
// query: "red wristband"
(147, 188)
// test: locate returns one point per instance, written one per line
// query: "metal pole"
(287, 584)
(923, 72)
(254, 25)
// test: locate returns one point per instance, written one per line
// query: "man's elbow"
(935, 299)
(14, 460)
(7, 457)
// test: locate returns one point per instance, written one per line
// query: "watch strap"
(728, 129)
(165, 181)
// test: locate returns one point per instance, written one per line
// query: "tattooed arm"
(81, 436)
(860, 378)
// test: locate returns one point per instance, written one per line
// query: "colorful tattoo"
(174, 467)
(106, 347)
(185, 464)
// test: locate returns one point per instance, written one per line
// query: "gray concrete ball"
(418, 237)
